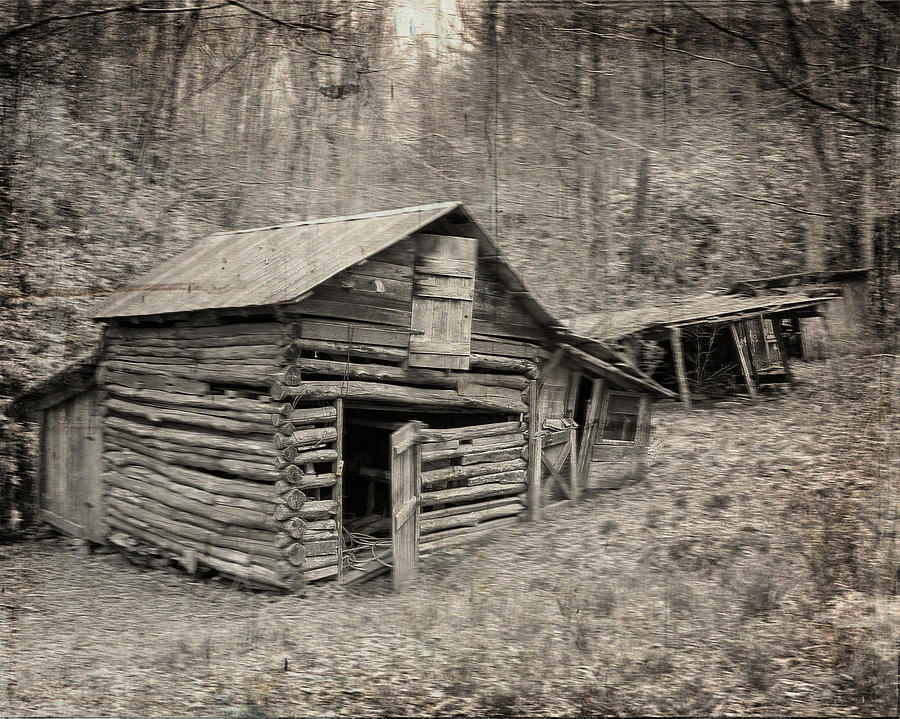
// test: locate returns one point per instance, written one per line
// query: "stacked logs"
(186, 436)
(473, 480)
(362, 373)
(308, 490)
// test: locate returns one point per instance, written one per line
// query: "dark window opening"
(621, 418)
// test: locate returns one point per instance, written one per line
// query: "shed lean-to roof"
(73, 379)
(609, 326)
(796, 279)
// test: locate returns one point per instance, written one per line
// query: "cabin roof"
(610, 326)
(271, 265)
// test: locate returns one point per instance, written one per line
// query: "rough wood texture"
(393, 394)
(248, 410)
(158, 415)
(168, 525)
(239, 374)
(465, 494)
(402, 375)
(535, 473)
(589, 432)
(678, 355)
(303, 415)
(190, 438)
(442, 301)
(191, 477)
(296, 477)
(405, 468)
(445, 474)
(473, 453)
(72, 451)
(782, 350)
(743, 357)
(306, 438)
(239, 465)
(252, 573)
(468, 519)
(474, 432)
(461, 535)
(338, 492)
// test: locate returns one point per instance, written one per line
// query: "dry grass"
(656, 599)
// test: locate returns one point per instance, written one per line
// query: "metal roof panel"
(267, 265)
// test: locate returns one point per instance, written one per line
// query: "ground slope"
(753, 572)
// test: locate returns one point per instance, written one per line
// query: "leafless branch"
(142, 8)
(776, 202)
(707, 58)
(753, 43)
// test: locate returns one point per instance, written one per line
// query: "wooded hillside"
(617, 150)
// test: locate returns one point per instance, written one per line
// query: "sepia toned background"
(621, 152)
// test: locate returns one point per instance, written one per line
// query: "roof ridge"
(344, 218)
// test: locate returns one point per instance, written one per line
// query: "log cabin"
(322, 399)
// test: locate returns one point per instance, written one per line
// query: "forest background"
(621, 151)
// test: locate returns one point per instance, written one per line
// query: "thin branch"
(276, 20)
(707, 58)
(754, 44)
(141, 8)
(775, 202)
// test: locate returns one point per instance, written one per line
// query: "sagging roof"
(611, 326)
(798, 279)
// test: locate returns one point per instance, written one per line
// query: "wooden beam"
(535, 470)
(587, 434)
(678, 357)
(406, 470)
(337, 494)
(744, 359)
(550, 365)
(782, 349)
(574, 488)
(761, 321)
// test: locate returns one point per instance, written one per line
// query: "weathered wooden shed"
(324, 398)
(714, 344)
(842, 325)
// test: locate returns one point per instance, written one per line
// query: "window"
(621, 417)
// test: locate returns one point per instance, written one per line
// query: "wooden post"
(745, 361)
(40, 476)
(762, 333)
(337, 493)
(748, 345)
(406, 470)
(573, 464)
(534, 454)
(587, 434)
(782, 350)
(678, 356)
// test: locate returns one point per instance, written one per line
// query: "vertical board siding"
(71, 474)
(443, 294)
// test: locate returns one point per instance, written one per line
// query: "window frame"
(642, 409)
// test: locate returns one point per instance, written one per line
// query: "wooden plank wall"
(71, 492)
